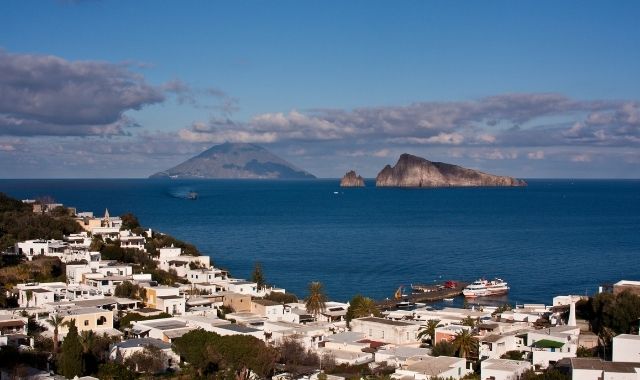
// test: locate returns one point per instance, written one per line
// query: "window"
(102, 320)
(86, 322)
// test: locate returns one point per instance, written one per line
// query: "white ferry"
(482, 288)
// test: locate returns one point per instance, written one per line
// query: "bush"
(281, 297)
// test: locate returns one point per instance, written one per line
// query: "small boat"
(406, 305)
(335, 192)
(482, 288)
(448, 299)
(192, 195)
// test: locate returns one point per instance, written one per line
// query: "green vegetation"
(130, 290)
(361, 306)
(18, 223)
(257, 276)
(159, 240)
(465, 343)
(41, 269)
(429, 330)
(281, 297)
(297, 361)
(115, 371)
(513, 355)
(316, 302)
(70, 359)
(150, 360)
(443, 348)
(129, 222)
(134, 317)
(233, 356)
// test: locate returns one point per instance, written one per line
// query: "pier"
(424, 294)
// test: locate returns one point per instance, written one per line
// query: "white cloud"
(537, 155)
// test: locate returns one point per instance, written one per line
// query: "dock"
(425, 294)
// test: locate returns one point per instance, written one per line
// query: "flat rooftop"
(385, 321)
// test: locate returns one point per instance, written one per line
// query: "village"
(150, 321)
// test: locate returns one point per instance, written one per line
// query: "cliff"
(413, 171)
(351, 179)
(235, 161)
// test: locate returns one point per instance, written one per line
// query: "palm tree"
(316, 302)
(87, 339)
(469, 321)
(365, 307)
(465, 343)
(429, 330)
(56, 321)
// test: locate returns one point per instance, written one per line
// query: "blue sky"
(124, 89)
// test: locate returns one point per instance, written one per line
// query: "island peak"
(414, 171)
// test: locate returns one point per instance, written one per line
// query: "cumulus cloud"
(47, 95)
(508, 120)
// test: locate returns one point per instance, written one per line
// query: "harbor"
(422, 294)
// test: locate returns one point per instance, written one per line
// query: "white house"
(427, 367)
(13, 331)
(164, 329)
(626, 348)
(386, 330)
(205, 275)
(553, 344)
(129, 347)
(597, 369)
(273, 311)
(493, 346)
(503, 369)
(35, 296)
(310, 335)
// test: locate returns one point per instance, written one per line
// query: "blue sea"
(552, 237)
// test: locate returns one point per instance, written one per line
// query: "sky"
(122, 89)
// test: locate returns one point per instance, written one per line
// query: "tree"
(443, 348)
(295, 357)
(257, 276)
(243, 355)
(429, 330)
(55, 321)
(29, 295)
(71, 355)
(126, 289)
(316, 302)
(281, 297)
(465, 343)
(115, 371)
(150, 360)
(513, 355)
(129, 221)
(618, 312)
(469, 321)
(361, 306)
(194, 347)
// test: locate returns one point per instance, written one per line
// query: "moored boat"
(483, 288)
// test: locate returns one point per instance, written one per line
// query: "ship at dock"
(484, 288)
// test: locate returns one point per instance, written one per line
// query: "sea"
(553, 237)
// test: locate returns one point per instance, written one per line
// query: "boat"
(192, 195)
(483, 288)
(405, 305)
(448, 299)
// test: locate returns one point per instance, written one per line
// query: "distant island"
(352, 179)
(414, 171)
(235, 161)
